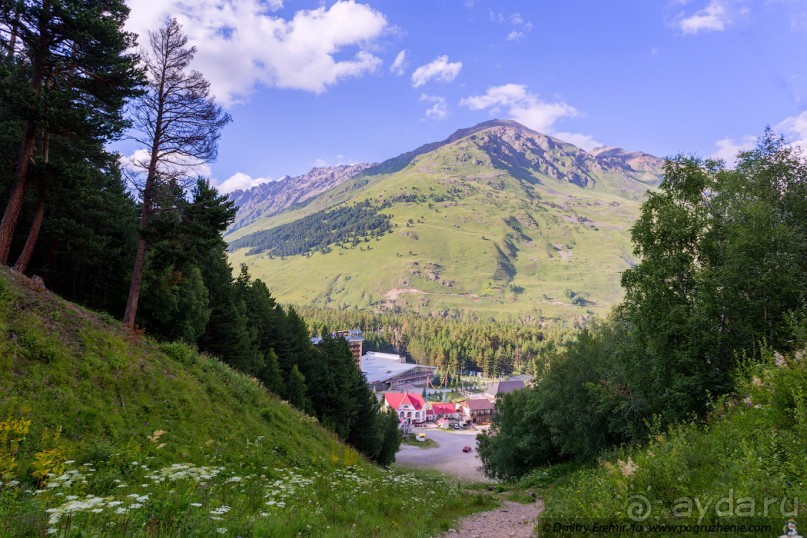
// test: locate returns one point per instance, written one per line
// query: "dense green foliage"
(722, 275)
(66, 73)
(494, 347)
(348, 225)
(750, 450)
(154, 439)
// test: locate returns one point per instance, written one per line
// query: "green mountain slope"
(496, 218)
(102, 434)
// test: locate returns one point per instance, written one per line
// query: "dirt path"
(510, 519)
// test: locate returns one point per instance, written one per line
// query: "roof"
(503, 387)
(441, 421)
(378, 367)
(444, 408)
(477, 404)
(396, 400)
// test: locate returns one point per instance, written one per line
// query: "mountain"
(270, 198)
(495, 219)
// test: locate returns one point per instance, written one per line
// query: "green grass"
(497, 244)
(749, 452)
(428, 443)
(127, 437)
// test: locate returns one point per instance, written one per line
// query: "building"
(355, 339)
(502, 387)
(387, 371)
(445, 410)
(410, 407)
(477, 410)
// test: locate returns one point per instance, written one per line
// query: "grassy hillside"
(750, 452)
(473, 229)
(105, 434)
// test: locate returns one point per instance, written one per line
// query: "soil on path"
(510, 519)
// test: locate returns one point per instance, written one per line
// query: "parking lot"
(448, 457)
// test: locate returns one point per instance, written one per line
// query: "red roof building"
(444, 409)
(409, 406)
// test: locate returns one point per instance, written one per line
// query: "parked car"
(421, 437)
(466, 449)
(455, 426)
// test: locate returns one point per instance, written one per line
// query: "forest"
(455, 345)
(722, 283)
(144, 241)
(345, 226)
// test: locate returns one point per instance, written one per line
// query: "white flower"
(197, 505)
(221, 530)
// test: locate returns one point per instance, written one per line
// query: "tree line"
(722, 276)
(145, 242)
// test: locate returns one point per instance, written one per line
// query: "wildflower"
(221, 530)
(121, 510)
(264, 514)
(197, 505)
(51, 530)
(628, 468)
(135, 505)
(97, 510)
(156, 435)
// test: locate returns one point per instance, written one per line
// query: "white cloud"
(440, 69)
(713, 18)
(583, 141)
(439, 109)
(726, 149)
(182, 165)
(242, 44)
(516, 102)
(795, 129)
(521, 105)
(398, 66)
(240, 181)
(520, 25)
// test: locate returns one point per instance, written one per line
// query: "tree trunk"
(140, 254)
(137, 281)
(33, 235)
(39, 215)
(12, 212)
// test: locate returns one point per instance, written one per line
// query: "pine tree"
(179, 124)
(69, 74)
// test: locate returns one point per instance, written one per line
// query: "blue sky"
(317, 83)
